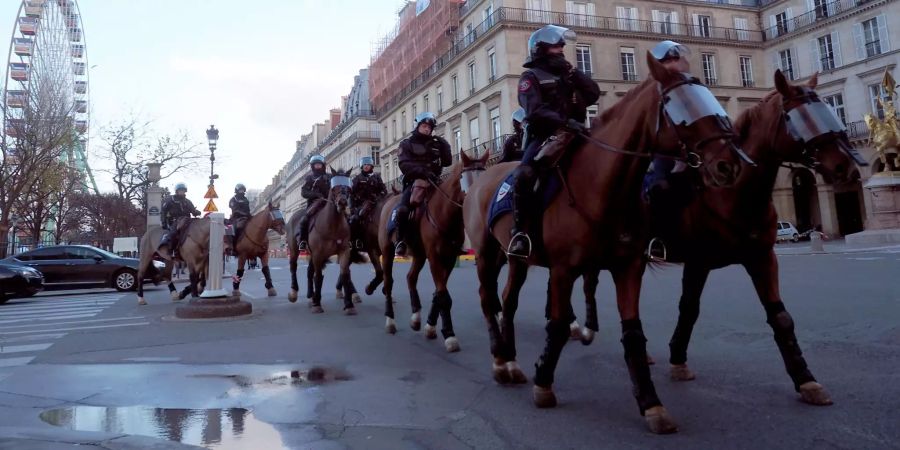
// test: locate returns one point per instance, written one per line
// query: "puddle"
(221, 429)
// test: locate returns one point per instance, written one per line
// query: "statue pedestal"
(883, 227)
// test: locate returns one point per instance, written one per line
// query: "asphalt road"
(403, 391)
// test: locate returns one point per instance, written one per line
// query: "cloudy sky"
(262, 71)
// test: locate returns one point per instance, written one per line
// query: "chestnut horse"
(595, 222)
(438, 240)
(254, 243)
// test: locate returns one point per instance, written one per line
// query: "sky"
(262, 71)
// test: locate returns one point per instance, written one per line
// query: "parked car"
(786, 231)
(18, 281)
(81, 266)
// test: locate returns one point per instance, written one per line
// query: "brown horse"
(595, 222)
(149, 244)
(722, 227)
(438, 240)
(254, 243)
(329, 235)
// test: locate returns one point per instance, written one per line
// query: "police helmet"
(547, 36)
(669, 49)
(366, 160)
(316, 159)
(240, 188)
(519, 116)
(180, 187)
(425, 117)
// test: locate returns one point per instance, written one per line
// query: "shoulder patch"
(524, 85)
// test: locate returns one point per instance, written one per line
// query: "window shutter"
(860, 41)
(790, 19)
(621, 15)
(810, 5)
(592, 13)
(836, 46)
(795, 65)
(776, 61)
(883, 35)
(816, 55)
(654, 16)
(675, 28)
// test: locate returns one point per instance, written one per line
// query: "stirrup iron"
(527, 240)
(656, 243)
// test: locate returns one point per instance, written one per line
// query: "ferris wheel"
(48, 53)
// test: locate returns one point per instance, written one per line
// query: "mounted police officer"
(422, 156)
(315, 190)
(554, 95)
(174, 209)
(512, 148)
(665, 199)
(367, 190)
(240, 211)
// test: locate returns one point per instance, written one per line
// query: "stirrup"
(397, 247)
(657, 245)
(513, 240)
(358, 244)
(303, 245)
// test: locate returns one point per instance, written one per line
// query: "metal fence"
(11, 247)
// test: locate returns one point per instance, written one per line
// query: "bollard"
(816, 243)
(216, 257)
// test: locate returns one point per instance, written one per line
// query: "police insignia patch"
(524, 85)
(501, 193)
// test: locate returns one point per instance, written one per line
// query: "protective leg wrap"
(236, 281)
(635, 345)
(443, 302)
(688, 311)
(783, 325)
(557, 337)
(268, 275)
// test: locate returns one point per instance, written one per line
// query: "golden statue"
(885, 134)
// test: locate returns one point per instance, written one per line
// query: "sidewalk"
(837, 246)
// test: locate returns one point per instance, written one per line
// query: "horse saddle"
(554, 148)
(419, 191)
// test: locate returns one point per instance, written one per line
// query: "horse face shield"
(340, 187)
(277, 220)
(815, 122)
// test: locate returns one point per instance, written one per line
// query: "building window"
(629, 72)
(871, 37)
(454, 81)
(742, 26)
(472, 77)
(837, 104)
(492, 64)
(583, 58)
(746, 71)
(440, 99)
(709, 69)
(415, 110)
(376, 154)
(495, 130)
(781, 23)
(627, 18)
(426, 104)
(702, 25)
(826, 53)
(457, 139)
(394, 129)
(474, 134)
(876, 92)
(787, 63)
(403, 121)
(664, 22)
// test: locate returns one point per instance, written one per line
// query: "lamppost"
(212, 135)
(14, 221)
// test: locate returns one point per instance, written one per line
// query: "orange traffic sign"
(210, 207)
(211, 193)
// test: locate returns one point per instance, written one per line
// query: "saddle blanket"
(503, 197)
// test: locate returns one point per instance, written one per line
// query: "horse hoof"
(175, 296)
(544, 397)
(272, 292)
(389, 326)
(650, 360)
(574, 331)
(350, 311)
(316, 309)
(500, 372)
(430, 332)
(292, 296)
(451, 344)
(516, 376)
(659, 420)
(356, 298)
(235, 293)
(141, 301)
(415, 322)
(815, 394)
(681, 372)
(339, 295)
(587, 336)
(370, 290)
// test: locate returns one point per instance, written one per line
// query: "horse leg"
(195, 282)
(140, 285)
(379, 274)
(518, 272)
(488, 263)
(344, 277)
(270, 288)
(310, 274)
(692, 281)
(628, 288)
(317, 289)
(295, 287)
(238, 276)
(350, 289)
(390, 326)
(559, 297)
(764, 273)
(339, 288)
(173, 292)
(590, 279)
(441, 267)
(412, 281)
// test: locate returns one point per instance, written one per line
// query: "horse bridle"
(272, 218)
(809, 154)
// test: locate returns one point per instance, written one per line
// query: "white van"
(786, 231)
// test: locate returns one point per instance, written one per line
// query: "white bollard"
(216, 259)
(816, 244)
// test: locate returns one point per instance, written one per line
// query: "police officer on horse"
(315, 190)
(512, 148)
(555, 96)
(422, 156)
(175, 210)
(240, 211)
(367, 190)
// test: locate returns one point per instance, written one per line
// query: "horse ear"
(333, 172)
(465, 158)
(781, 83)
(485, 157)
(813, 81)
(657, 70)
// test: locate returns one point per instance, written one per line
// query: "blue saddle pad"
(503, 197)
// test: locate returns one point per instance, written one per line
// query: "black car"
(80, 266)
(18, 281)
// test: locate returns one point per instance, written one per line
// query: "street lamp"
(14, 221)
(212, 135)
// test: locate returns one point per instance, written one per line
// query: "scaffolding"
(420, 36)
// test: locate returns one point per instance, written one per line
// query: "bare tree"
(131, 144)
(105, 216)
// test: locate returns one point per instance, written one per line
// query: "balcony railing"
(336, 132)
(810, 18)
(857, 130)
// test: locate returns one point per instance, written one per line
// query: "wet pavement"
(284, 378)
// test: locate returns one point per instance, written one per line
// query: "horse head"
(694, 125)
(340, 190)
(471, 169)
(276, 219)
(809, 131)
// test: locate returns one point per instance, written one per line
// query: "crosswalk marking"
(29, 326)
